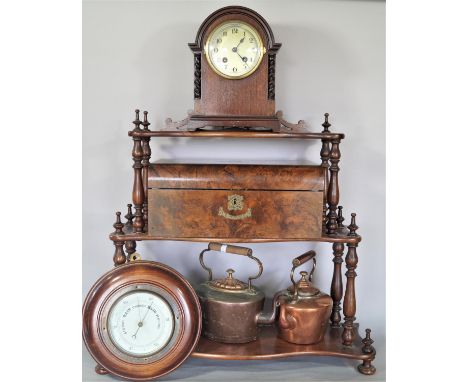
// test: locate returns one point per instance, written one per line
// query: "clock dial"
(234, 50)
(140, 323)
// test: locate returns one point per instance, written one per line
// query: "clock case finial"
(247, 103)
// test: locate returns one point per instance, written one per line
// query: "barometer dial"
(140, 323)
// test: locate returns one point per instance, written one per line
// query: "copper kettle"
(231, 309)
(304, 310)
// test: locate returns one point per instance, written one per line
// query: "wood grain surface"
(269, 346)
(237, 176)
(273, 214)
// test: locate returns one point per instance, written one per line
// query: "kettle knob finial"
(230, 271)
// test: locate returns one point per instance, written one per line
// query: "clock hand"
(244, 59)
(237, 46)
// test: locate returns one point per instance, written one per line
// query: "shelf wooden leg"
(366, 367)
(325, 156)
(336, 290)
(100, 370)
(146, 148)
(119, 255)
(333, 195)
(349, 304)
(130, 248)
(138, 188)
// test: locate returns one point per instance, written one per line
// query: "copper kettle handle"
(234, 249)
(297, 262)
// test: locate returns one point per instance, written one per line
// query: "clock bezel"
(258, 37)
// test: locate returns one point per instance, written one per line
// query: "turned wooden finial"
(367, 341)
(137, 121)
(326, 125)
(353, 227)
(118, 225)
(340, 217)
(366, 367)
(145, 120)
(129, 216)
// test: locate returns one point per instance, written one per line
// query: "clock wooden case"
(235, 202)
(251, 96)
(248, 102)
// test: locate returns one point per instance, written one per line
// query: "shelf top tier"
(235, 133)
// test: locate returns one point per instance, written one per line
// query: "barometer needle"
(139, 312)
(140, 324)
(149, 307)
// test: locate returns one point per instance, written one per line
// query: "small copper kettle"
(304, 310)
(231, 308)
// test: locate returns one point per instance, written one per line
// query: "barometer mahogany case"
(234, 54)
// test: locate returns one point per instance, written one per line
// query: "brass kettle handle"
(234, 249)
(297, 262)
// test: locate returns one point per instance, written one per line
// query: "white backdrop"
(135, 55)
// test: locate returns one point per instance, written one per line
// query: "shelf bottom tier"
(269, 346)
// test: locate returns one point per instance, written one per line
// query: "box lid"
(236, 177)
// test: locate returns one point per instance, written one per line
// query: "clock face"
(234, 50)
(140, 323)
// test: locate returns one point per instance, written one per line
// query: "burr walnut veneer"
(236, 202)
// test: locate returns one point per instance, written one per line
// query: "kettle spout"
(269, 318)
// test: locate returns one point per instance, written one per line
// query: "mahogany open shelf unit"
(342, 338)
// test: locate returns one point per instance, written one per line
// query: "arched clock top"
(232, 13)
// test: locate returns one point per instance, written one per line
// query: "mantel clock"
(234, 75)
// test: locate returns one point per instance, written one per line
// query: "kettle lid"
(304, 287)
(229, 283)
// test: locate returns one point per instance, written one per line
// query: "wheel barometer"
(143, 314)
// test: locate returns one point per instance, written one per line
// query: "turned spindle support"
(145, 163)
(336, 290)
(349, 303)
(138, 187)
(366, 367)
(119, 255)
(333, 195)
(325, 156)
